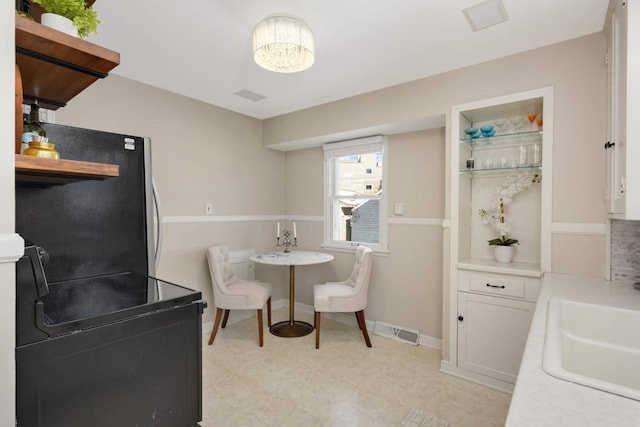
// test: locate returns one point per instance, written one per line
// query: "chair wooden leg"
(226, 317)
(260, 326)
(316, 324)
(269, 312)
(363, 326)
(216, 324)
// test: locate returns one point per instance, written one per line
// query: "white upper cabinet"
(623, 91)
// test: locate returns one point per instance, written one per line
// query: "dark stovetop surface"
(77, 304)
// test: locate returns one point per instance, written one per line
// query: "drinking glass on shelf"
(539, 121)
(532, 118)
(522, 156)
(499, 124)
(516, 121)
(535, 155)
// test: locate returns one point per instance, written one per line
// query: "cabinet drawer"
(508, 286)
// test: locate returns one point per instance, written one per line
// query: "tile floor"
(290, 383)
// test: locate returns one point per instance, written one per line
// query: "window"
(355, 207)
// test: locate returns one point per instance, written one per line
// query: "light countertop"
(540, 399)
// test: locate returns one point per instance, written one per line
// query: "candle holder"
(286, 242)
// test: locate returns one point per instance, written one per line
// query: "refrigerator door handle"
(156, 203)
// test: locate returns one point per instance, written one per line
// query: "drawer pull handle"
(495, 286)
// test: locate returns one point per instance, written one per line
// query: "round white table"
(291, 328)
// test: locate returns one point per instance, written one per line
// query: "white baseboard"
(499, 385)
(345, 318)
(432, 342)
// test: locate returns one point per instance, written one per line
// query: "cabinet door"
(617, 111)
(492, 333)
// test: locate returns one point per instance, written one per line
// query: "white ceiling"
(202, 48)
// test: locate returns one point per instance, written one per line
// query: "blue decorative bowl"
(486, 129)
(471, 131)
(489, 134)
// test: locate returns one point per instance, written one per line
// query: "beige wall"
(201, 153)
(406, 286)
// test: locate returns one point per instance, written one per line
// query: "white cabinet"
(509, 174)
(494, 315)
(623, 86)
(492, 333)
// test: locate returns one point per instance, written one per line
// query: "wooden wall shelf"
(55, 66)
(60, 171)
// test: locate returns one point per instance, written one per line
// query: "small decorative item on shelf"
(32, 130)
(500, 123)
(516, 121)
(39, 147)
(78, 19)
(473, 132)
(286, 241)
(495, 215)
(487, 131)
(532, 118)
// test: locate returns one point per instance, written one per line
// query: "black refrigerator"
(100, 341)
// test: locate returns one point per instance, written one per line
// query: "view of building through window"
(359, 190)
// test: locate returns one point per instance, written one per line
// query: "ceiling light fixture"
(485, 14)
(283, 44)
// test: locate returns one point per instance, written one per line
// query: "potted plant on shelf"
(495, 215)
(78, 19)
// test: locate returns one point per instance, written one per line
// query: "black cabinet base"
(142, 371)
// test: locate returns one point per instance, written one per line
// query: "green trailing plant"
(84, 17)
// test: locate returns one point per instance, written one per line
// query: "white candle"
(295, 234)
(278, 232)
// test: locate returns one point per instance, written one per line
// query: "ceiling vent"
(485, 14)
(251, 96)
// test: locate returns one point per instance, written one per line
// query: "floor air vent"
(396, 332)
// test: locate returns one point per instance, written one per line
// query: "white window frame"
(332, 152)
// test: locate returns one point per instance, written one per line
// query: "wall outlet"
(208, 208)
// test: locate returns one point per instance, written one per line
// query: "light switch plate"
(398, 208)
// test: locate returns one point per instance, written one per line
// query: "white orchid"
(502, 196)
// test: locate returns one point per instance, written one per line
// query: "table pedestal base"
(287, 330)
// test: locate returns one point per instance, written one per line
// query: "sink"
(594, 345)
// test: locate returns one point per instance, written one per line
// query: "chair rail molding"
(591, 229)
(431, 222)
(11, 247)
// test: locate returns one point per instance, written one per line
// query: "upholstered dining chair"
(347, 296)
(232, 293)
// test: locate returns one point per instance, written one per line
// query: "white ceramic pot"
(503, 254)
(59, 23)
